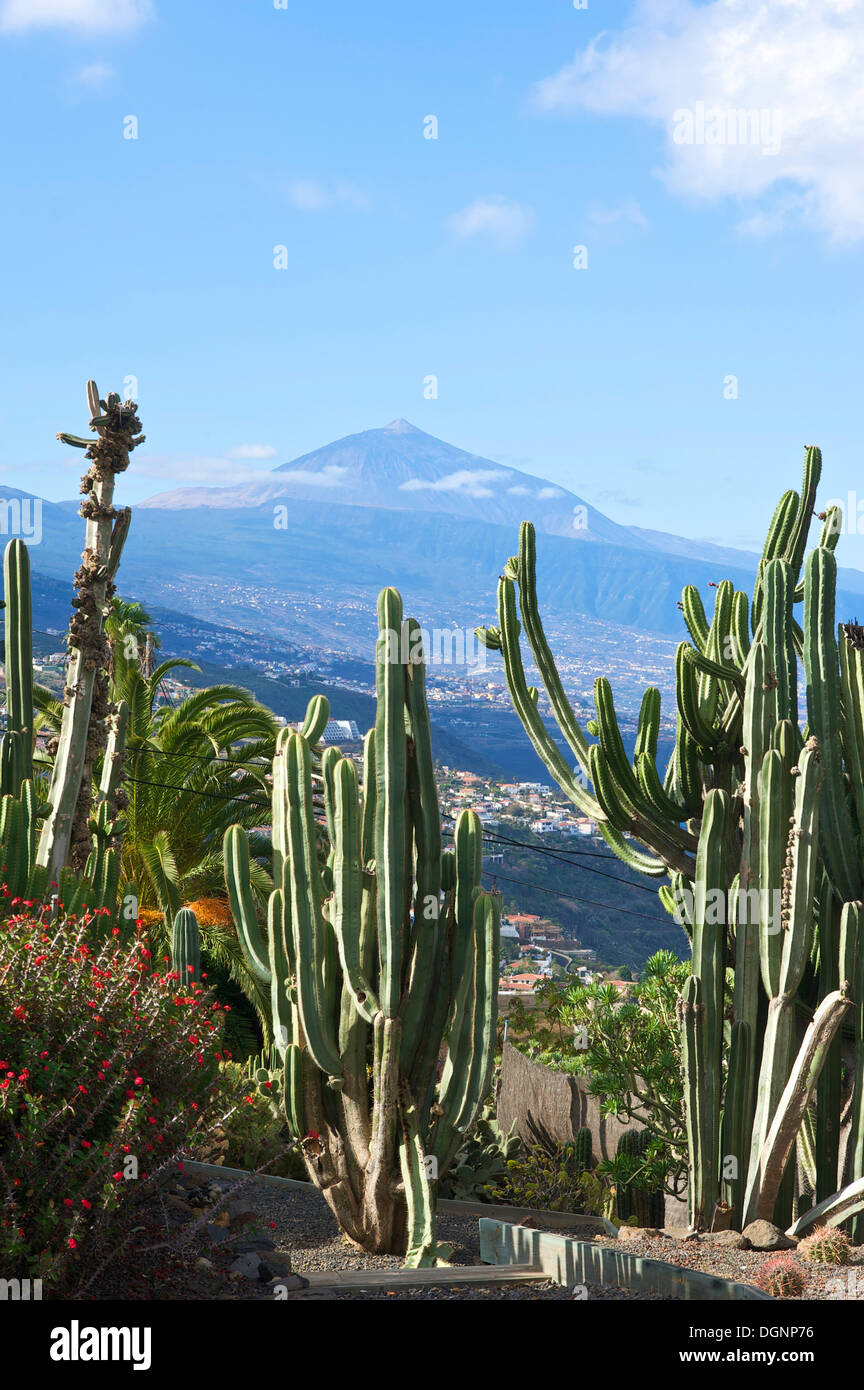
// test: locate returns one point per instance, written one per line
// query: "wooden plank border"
(570, 1262)
(437, 1277)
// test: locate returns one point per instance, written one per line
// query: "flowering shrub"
(781, 1277)
(108, 1072)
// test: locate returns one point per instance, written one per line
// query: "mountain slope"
(401, 468)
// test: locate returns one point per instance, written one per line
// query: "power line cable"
(566, 897)
(561, 856)
(535, 887)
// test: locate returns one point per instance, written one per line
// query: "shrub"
(554, 1182)
(629, 1049)
(781, 1277)
(107, 1074)
(255, 1136)
(827, 1245)
(481, 1164)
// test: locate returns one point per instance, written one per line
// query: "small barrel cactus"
(781, 1277)
(828, 1245)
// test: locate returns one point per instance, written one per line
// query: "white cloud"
(470, 482)
(797, 64)
(89, 16)
(252, 451)
(519, 491)
(195, 470)
(322, 477)
(94, 76)
(505, 222)
(616, 219)
(546, 493)
(307, 196)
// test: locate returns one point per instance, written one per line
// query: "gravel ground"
(184, 1253)
(821, 1281)
(181, 1254)
(304, 1228)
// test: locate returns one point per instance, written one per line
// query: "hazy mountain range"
(301, 552)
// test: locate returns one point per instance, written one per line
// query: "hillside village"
(534, 949)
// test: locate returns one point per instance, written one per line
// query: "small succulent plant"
(781, 1277)
(827, 1245)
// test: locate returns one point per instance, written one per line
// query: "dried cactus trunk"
(65, 835)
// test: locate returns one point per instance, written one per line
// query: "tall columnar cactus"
(646, 1205)
(756, 823)
(186, 947)
(16, 752)
(583, 1149)
(380, 950)
(66, 838)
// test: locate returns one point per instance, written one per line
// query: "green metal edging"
(570, 1262)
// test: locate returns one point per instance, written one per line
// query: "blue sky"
(408, 257)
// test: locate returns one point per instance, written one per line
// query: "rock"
(291, 1282)
(203, 1264)
(627, 1233)
(249, 1266)
(237, 1208)
(217, 1234)
(242, 1218)
(764, 1235)
(733, 1239)
(280, 1264)
(243, 1247)
(205, 1195)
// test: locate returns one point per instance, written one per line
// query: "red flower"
(73, 1244)
(85, 1203)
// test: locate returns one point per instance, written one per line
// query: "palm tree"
(130, 626)
(191, 770)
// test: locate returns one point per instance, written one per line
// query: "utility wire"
(566, 897)
(563, 897)
(558, 855)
